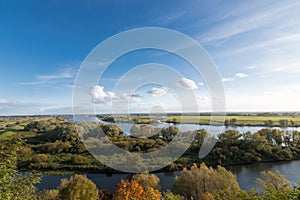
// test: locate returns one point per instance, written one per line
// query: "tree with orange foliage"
(131, 190)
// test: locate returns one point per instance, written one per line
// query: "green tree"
(170, 132)
(13, 185)
(233, 121)
(78, 187)
(230, 137)
(268, 123)
(283, 122)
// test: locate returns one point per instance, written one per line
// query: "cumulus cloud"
(200, 83)
(241, 75)
(187, 83)
(157, 92)
(99, 95)
(227, 79)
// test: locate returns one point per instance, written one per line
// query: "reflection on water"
(184, 127)
(246, 176)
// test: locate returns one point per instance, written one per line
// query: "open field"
(238, 120)
(230, 120)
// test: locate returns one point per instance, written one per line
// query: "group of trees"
(282, 123)
(200, 182)
(234, 147)
(57, 145)
(13, 185)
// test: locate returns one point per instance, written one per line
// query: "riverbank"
(246, 176)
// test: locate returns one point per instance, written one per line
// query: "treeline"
(283, 123)
(200, 182)
(56, 145)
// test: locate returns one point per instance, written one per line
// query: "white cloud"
(157, 92)
(241, 75)
(227, 79)
(200, 83)
(187, 83)
(3, 101)
(99, 95)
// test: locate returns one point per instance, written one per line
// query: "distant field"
(240, 120)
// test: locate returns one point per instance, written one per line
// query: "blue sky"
(254, 44)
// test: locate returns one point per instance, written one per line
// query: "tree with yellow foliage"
(78, 187)
(207, 183)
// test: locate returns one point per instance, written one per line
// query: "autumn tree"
(48, 195)
(78, 187)
(132, 190)
(168, 195)
(205, 182)
(276, 186)
(147, 180)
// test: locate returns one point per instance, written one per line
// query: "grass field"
(240, 120)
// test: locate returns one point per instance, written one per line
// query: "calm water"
(184, 127)
(246, 176)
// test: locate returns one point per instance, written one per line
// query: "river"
(183, 127)
(246, 176)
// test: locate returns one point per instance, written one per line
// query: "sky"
(255, 46)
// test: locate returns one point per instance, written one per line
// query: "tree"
(78, 187)
(268, 123)
(13, 185)
(49, 195)
(207, 183)
(273, 181)
(200, 136)
(277, 187)
(283, 122)
(168, 195)
(128, 190)
(147, 180)
(233, 121)
(230, 137)
(132, 190)
(111, 130)
(170, 132)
